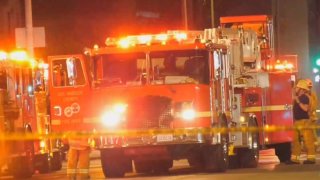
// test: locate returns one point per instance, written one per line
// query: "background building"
(11, 17)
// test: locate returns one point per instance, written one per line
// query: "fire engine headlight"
(115, 116)
(188, 114)
(242, 119)
(186, 111)
(42, 144)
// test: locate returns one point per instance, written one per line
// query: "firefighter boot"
(72, 164)
(309, 139)
(295, 146)
(83, 164)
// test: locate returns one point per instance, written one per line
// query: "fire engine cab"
(178, 84)
(23, 112)
(264, 83)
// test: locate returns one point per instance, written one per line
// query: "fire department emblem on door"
(73, 109)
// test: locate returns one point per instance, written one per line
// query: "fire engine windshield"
(184, 66)
(119, 69)
(161, 67)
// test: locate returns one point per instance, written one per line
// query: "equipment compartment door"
(279, 103)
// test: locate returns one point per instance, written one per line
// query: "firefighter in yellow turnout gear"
(78, 159)
(313, 102)
(301, 108)
(313, 108)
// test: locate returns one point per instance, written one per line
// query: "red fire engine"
(162, 82)
(22, 112)
(265, 84)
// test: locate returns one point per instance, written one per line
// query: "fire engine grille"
(149, 112)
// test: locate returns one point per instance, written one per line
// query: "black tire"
(56, 161)
(43, 163)
(283, 151)
(234, 162)
(215, 159)
(162, 166)
(114, 163)
(19, 168)
(143, 166)
(249, 157)
(195, 159)
(23, 166)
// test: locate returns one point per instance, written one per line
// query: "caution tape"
(151, 132)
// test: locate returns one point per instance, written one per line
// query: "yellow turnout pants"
(308, 138)
(78, 164)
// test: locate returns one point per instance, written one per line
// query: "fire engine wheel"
(162, 166)
(22, 166)
(234, 161)
(195, 159)
(156, 166)
(143, 166)
(56, 161)
(249, 157)
(283, 151)
(114, 164)
(215, 157)
(43, 163)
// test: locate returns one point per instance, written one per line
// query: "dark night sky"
(72, 25)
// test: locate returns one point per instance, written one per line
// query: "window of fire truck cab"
(119, 69)
(178, 67)
(67, 72)
(165, 67)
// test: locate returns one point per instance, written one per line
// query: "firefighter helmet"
(303, 84)
(309, 82)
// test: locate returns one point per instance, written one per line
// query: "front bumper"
(104, 142)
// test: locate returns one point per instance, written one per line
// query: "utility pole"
(185, 14)
(212, 13)
(29, 27)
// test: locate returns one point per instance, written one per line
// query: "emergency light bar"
(164, 38)
(3, 55)
(281, 66)
(19, 55)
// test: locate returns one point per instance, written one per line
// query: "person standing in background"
(313, 108)
(301, 107)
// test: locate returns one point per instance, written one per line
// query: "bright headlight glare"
(242, 119)
(188, 114)
(42, 144)
(111, 118)
(120, 108)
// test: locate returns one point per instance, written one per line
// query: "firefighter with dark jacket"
(301, 106)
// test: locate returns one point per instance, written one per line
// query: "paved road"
(269, 169)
